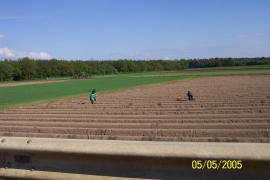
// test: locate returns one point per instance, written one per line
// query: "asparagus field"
(226, 109)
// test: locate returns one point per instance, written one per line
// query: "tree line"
(28, 69)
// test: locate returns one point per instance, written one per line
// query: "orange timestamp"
(217, 164)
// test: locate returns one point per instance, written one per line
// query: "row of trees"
(27, 69)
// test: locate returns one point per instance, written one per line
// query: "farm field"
(38, 91)
(226, 109)
(29, 82)
(24, 94)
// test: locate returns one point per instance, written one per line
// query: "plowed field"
(226, 109)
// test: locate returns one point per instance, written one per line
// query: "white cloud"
(250, 35)
(259, 34)
(2, 36)
(40, 55)
(8, 53)
(243, 36)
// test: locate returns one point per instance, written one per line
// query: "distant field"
(20, 83)
(216, 71)
(232, 68)
(40, 79)
(24, 94)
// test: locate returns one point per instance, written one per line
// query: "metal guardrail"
(46, 158)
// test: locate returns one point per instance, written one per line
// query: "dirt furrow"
(226, 109)
(145, 125)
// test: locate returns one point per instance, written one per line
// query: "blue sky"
(137, 29)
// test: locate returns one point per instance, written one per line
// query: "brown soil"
(226, 109)
(29, 82)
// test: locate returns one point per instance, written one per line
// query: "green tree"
(28, 67)
(6, 71)
(65, 69)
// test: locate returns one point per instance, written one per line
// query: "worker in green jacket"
(92, 98)
(92, 95)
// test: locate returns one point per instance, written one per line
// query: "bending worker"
(190, 95)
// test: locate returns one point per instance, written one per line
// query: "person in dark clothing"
(190, 95)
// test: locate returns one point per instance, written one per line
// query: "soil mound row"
(226, 109)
